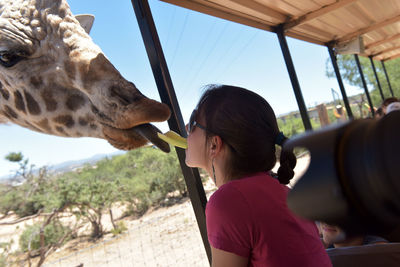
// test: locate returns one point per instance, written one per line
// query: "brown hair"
(247, 125)
(387, 101)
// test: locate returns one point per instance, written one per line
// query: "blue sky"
(199, 50)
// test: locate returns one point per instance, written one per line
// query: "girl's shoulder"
(229, 191)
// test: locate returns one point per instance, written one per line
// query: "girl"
(232, 135)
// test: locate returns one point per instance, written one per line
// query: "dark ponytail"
(287, 161)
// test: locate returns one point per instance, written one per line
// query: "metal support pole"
(364, 84)
(340, 81)
(377, 79)
(387, 78)
(293, 78)
(167, 94)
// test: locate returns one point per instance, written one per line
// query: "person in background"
(379, 113)
(392, 107)
(232, 134)
(334, 237)
(387, 102)
(340, 113)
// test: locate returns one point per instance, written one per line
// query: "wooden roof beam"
(372, 27)
(386, 51)
(392, 38)
(255, 6)
(221, 12)
(317, 13)
(304, 38)
(391, 57)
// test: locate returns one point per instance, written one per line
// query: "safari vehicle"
(368, 28)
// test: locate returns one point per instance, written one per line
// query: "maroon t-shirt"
(249, 217)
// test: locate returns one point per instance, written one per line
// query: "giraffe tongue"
(149, 132)
(127, 139)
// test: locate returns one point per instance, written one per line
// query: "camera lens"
(353, 177)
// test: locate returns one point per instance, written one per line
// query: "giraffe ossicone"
(55, 80)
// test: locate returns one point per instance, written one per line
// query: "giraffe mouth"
(140, 135)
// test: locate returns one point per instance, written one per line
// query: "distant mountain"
(72, 164)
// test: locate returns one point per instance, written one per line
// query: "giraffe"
(55, 80)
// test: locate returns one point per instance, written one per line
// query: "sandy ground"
(162, 237)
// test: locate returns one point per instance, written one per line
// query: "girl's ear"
(215, 145)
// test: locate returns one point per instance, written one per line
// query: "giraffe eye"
(8, 59)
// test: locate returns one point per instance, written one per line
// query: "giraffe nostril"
(125, 96)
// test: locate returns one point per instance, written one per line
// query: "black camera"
(353, 180)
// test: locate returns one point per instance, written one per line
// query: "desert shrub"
(141, 178)
(163, 174)
(53, 233)
(3, 261)
(28, 207)
(28, 197)
(150, 179)
(10, 199)
(4, 249)
(18, 200)
(121, 227)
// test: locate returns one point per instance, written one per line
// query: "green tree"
(293, 124)
(44, 237)
(349, 71)
(24, 171)
(148, 179)
(5, 253)
(25, 194)
(141, 178)
(91, 192)
(10, 199)
(36, 193)
(30, 238)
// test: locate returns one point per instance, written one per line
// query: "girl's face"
(196, 151)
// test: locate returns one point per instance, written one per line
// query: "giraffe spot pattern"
(36, 82)
(33, 127)
(66, 120)
(50, 102)
(70, 69)
(62, 12)
(10, 113)
(61, 130)
(74, 102)
(103, 116)
(19, 101)
(95, 71)
(33, 106)
(4, 93)
(7, 83)
(44, 124)
(82, 121)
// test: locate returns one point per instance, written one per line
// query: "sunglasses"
(193, 123)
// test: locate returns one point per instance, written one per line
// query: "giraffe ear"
(86, 21)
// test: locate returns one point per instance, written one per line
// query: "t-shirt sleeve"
(228, 217)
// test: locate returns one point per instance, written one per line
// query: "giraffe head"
(55, 80)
